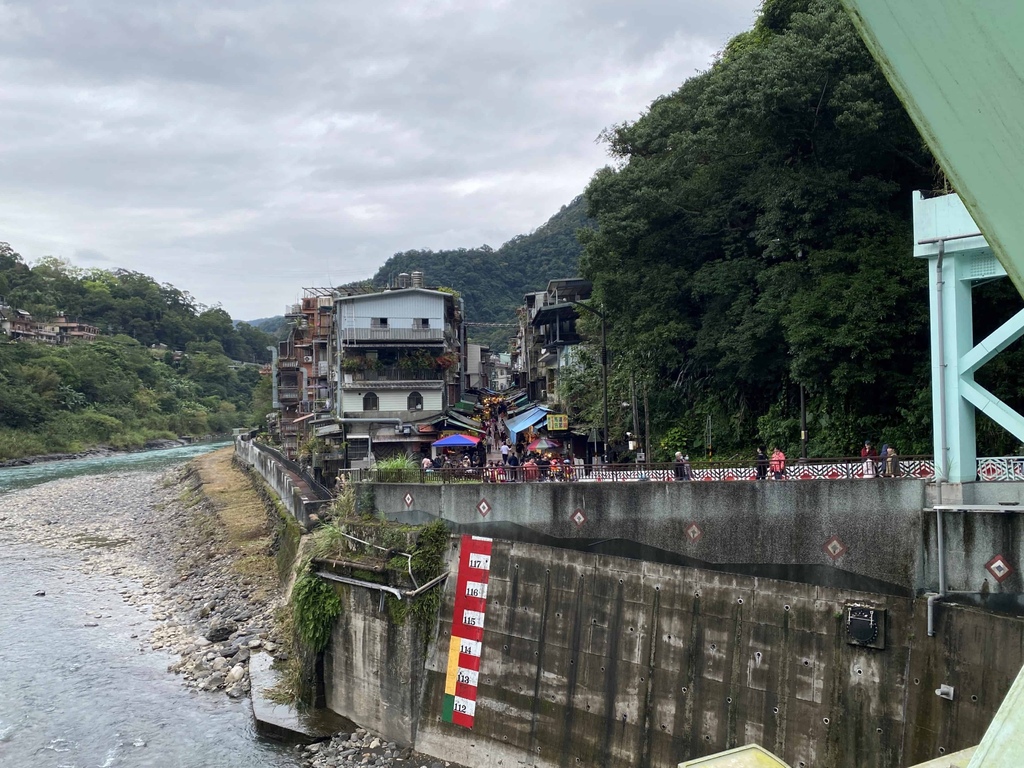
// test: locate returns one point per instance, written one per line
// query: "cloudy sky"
(244, 149)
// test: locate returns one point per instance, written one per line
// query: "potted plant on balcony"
(447, 361)
(353, 364)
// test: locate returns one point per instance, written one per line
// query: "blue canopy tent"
(525, 420)
(456, 441)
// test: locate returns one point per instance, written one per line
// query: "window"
(422, 323)
(415, 401)
(370, 402)
(378, 322)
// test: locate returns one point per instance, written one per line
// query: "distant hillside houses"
(19, 325)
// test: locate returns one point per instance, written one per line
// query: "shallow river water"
(75, 689)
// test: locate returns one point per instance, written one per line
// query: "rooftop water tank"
(403, 279)
(417, 279)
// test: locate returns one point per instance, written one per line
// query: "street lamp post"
(604, 368)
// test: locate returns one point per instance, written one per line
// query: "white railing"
(1004, 469)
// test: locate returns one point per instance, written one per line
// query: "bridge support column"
(958, 258)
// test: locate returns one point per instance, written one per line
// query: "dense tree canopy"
(115, 390)
(755, 235)
(124, 302)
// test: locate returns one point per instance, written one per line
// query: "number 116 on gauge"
(476, 589)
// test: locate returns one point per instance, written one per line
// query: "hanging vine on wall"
(316, 607)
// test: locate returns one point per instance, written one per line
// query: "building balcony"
(395, 373)
(288, 394)
(288, 364)
(356, 335)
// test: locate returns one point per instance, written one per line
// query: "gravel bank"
(136, 526)
(153, 530)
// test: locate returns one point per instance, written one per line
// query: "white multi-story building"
(399, 359)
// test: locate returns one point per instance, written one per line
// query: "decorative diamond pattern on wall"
(578, 517)
(999, 568)
(693, 532)
(834, 548)
(484, 508)
(408, 500)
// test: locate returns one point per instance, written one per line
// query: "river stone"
(220, 630)
(235, 674)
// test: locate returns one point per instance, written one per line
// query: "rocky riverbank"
(196, 564)
(157, 533)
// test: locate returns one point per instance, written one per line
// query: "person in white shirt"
(504, 453)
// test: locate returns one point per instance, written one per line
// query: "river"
(80, 693)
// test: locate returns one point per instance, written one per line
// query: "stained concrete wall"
(373, 669)
(595, 660)
(738, 524)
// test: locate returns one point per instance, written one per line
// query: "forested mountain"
(493, 282)
(115, 390)
(755, 236)
(124, 302)
(276, 327)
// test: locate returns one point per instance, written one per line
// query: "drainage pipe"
(398, 593)
(940, 534)
(932, 597)
(406, 555)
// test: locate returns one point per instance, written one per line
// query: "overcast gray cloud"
(242, 150)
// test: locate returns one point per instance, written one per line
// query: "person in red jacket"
(777, 465)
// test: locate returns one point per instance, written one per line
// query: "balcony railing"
(287, 394)
(392, 334)
(395, 373)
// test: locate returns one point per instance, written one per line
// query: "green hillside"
(493, 282)
(119, 390)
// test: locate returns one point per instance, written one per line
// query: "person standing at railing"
(890, 463)
(677, 469)
(513, 467)
(869, 454)
(687, 469)
(530, 469)
(762, 463)
(777, 465)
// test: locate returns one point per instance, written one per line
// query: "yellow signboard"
(557, 422)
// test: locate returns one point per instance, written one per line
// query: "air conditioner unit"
(307, 359)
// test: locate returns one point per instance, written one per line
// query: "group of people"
(880, 464)
(534, 466)
(775, 465)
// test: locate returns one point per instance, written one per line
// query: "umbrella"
(543, 444)
(457, 441)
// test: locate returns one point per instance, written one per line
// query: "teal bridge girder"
(959, 257)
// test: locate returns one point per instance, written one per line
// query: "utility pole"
(647, 427)
(803, 425)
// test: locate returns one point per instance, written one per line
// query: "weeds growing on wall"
(315, 606)
(427, 563)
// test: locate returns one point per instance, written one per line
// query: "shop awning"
(463, 423)
(525, 420)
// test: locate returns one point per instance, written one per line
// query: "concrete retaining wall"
(373, 669)
(292, 490)
(595, 660)
(877, 523)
